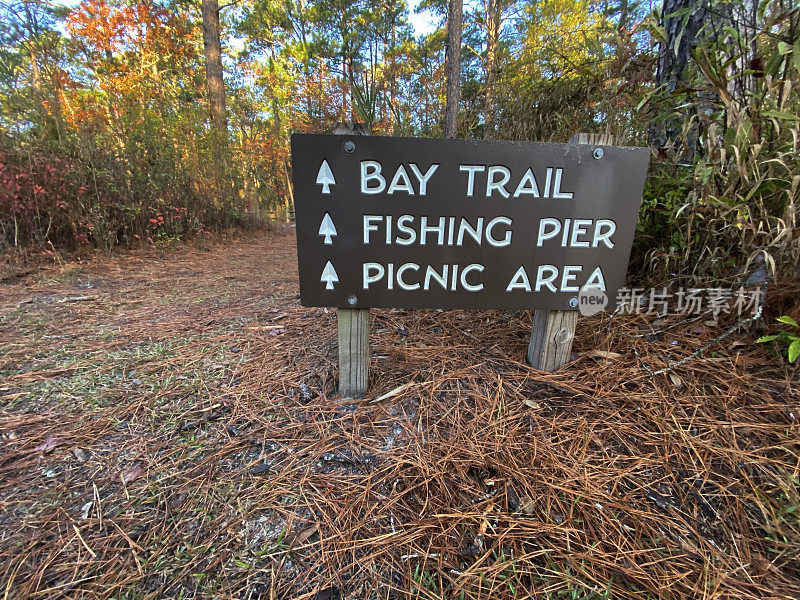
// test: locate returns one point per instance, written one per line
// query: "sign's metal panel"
(551, 208)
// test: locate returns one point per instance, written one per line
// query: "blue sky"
(421, 22)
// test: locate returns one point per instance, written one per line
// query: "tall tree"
(453, 60)
(681, 22)
(493, 10)
(212, 46)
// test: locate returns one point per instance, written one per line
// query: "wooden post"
(353, 350)
(553, 331)
(353, 323)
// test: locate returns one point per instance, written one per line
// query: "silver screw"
(598, 153)
(349, 146)
(352, 300)
(573, 302)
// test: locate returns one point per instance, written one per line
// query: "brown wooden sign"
(430, 223)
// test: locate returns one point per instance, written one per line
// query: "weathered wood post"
(553, 331)
(353, 323)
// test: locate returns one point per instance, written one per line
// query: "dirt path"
(169, 428)
(101, 319)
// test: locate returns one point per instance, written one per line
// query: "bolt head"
(352, 300)
(573, 302)
(349, 146)
(598, 153)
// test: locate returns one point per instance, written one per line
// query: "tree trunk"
(393, 77)
(682, 21)
(492, 37)
(453, 66)
(743, 20)
(687, 24)
(213, 53)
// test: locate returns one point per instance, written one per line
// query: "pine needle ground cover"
(169, 428)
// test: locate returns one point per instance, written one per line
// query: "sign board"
(434, 223)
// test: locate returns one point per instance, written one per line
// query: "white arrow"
(325, 177)
(329, 276)
(327, 228)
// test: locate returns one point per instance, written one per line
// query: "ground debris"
(463, 474)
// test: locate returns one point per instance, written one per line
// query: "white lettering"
(372, 278)
(471, 169)
(454, 277)
(396, 186)
(440, 279)
(371, 170)
(557, 193)
(490, 238)
(424, 229)
(596, 280)
(492, 185)
(403, 285)
(467, 286)
(423, 179)
(579, 227)
(476, 233)
(569, 274)
(369, 227)
(403, 228)
(527, 185)
(547, 182)
(555, 227)
(565, 233)
(604, 236)
(541, 279)
(519, 281)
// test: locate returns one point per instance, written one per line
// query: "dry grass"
(170, 430)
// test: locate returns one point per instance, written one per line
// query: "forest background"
(127, 122)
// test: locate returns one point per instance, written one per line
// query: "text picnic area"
(432, 223)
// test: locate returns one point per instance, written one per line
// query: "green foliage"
(788, 340)
(117, 91)
(732, 133)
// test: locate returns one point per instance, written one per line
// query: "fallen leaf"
(80, 455)
(303, 536)
(86, 509)
(603, 354)
(531, 403)
(395, 391)
(131, 473)
(259, 469)
(676, 381)
(49, 444)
